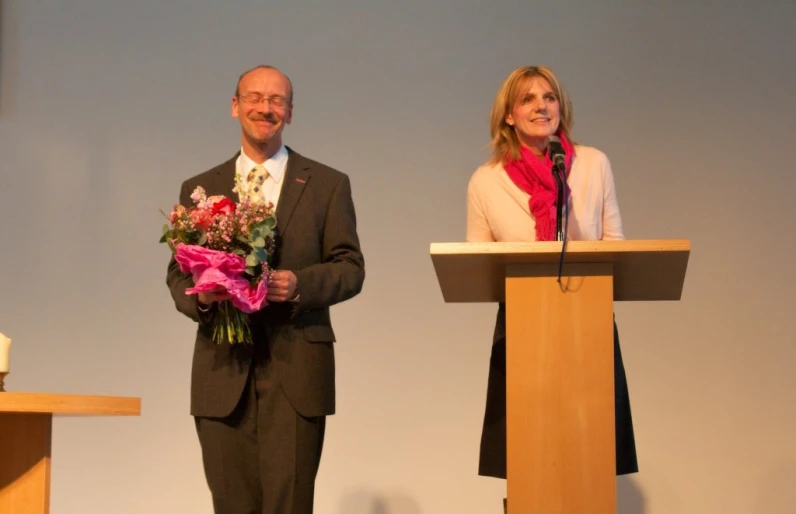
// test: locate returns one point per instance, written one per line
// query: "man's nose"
(264, 106)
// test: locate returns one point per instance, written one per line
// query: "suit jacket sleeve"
(178, 281)
(341, 273)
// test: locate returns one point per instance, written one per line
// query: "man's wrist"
(295, 297)
(203, 307)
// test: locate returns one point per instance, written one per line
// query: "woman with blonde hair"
(512, 198)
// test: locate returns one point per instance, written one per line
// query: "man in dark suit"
(260, 409)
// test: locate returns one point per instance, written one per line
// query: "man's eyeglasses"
(256, 99)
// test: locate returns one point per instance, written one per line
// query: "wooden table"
(26, 438)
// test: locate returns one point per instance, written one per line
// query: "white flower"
(198, 195)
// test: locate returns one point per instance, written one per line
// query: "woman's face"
(535, 116)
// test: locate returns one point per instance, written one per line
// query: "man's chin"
(260, 139)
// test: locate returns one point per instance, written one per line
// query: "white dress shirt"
(275, 166)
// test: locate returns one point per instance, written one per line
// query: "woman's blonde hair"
(505, 143)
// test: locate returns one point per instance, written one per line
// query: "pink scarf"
(533, 174)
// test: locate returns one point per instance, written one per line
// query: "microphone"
(557, 155)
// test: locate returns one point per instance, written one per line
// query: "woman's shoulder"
(487, 172)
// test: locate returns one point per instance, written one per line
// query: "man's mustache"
(270, 117)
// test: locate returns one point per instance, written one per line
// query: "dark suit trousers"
(492, 460)
(264, 457)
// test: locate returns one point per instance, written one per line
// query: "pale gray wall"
(106, 106)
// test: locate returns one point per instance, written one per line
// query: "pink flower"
(202, 218)
(176, 213)
(217, 271)
(198, 194)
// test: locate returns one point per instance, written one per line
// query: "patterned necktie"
(256, 179)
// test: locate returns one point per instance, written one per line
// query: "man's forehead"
(264, 79)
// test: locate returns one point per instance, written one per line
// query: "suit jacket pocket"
(319, 333)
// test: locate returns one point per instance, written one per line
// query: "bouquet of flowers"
(226, 247)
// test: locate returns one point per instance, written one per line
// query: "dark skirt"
(492, 460)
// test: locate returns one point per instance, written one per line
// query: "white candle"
(5, 348)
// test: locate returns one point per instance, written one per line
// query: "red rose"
(224, 206)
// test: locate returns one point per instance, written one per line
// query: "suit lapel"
(224, 180)
(297, 174)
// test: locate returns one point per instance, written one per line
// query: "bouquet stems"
(231, 325)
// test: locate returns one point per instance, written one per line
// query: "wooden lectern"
(559, 354)
(25, 442)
